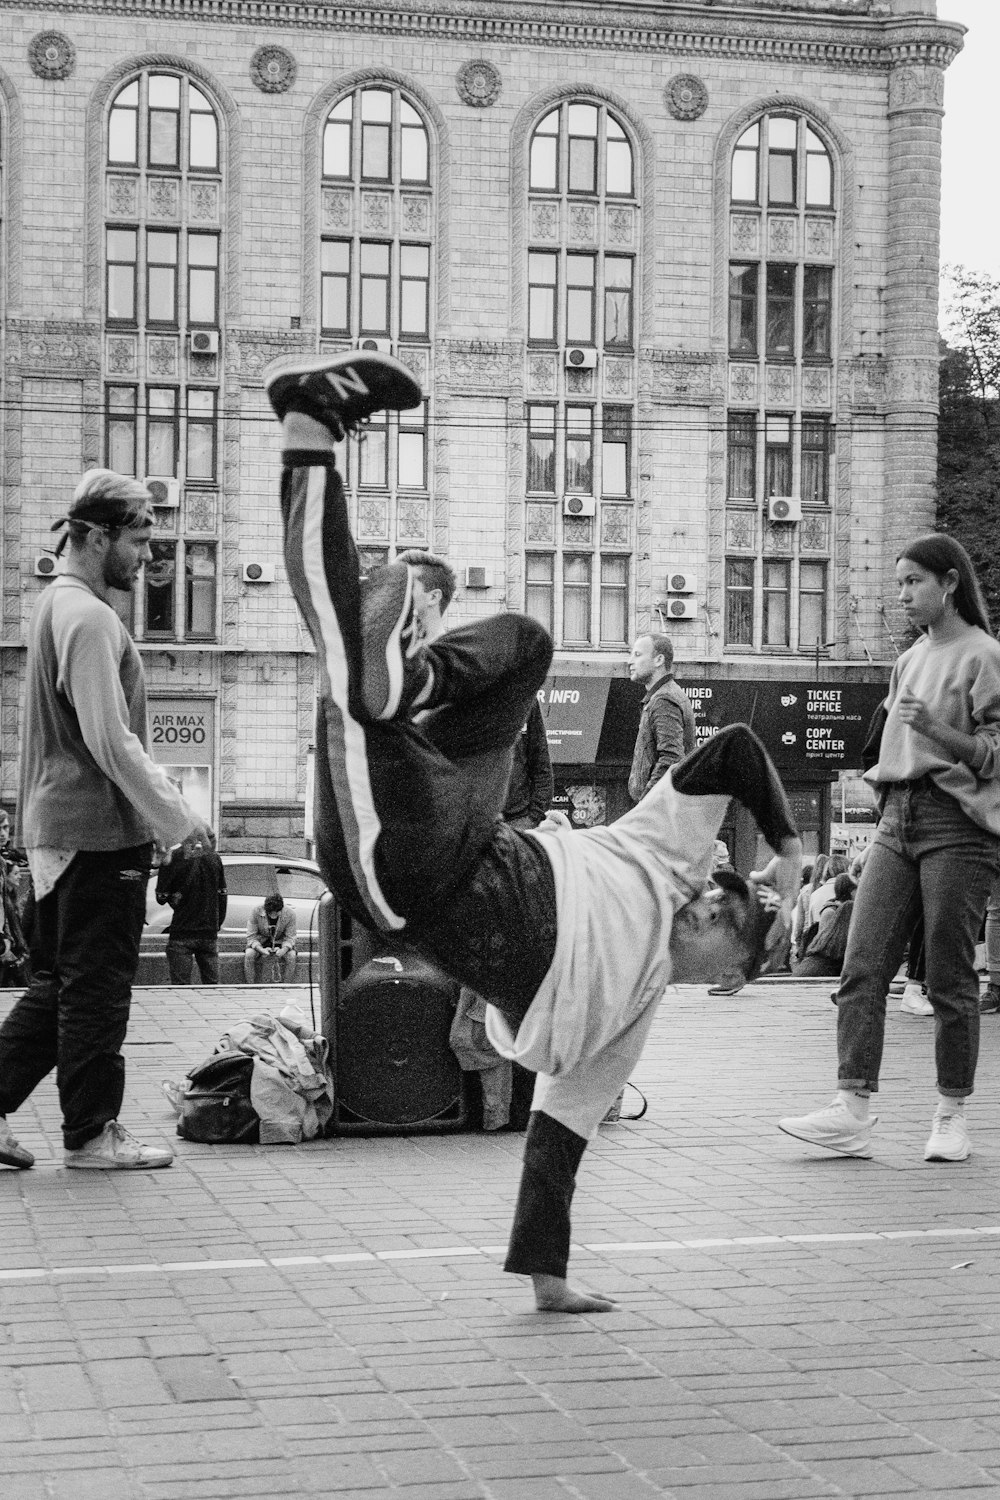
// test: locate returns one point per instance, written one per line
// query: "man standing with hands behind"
(666, 727)
(91, 802)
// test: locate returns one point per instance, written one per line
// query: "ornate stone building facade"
(668, 273)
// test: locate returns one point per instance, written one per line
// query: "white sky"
(970, 209)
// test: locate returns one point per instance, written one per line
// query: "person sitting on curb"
(270, 934)
(571, 937)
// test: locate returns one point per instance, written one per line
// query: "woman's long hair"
(939, 554)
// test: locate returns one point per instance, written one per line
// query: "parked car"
(249, 878)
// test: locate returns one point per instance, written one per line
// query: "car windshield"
(300, 885)
(250, 880)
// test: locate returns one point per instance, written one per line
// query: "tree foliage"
(968, 471)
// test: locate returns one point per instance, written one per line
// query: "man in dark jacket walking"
(194, 885)
(666, 727)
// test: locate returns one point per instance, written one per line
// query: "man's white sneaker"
(949, 1139)
(834, 1128)
(915, 1001)
(12, 1153)
(115, 1149)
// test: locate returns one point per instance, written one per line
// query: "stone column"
(916, 94)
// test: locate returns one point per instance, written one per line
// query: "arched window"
(781, 328)
(163, 317)
(376, 290)
(581, 288)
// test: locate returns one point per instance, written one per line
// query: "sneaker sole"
(864, 1152)
(394, 389)
(382, 682)
(9, 1159)
(117, 1166)
(939, 1156)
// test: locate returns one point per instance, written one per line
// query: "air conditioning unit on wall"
(677, 608)
(48, 566)
(681, 581)
(579, 505)
(376, 346)
(165, 490)
(477, 577)
(577, 357)
(784, 508)
(204, 341)
(257, 572)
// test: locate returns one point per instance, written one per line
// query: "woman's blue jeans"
(927, 855)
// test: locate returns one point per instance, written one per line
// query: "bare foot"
(553, 1294)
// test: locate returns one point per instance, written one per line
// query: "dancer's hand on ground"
(554, 822)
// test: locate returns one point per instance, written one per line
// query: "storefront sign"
(573, 714)
(182, 739)
(803, 725)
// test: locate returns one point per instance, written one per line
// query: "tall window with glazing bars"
(163, 331)
(376, 291)
(783, 255)
(581, 284)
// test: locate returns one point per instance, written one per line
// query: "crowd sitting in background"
(824, 953)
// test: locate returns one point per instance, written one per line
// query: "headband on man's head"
(104, 498)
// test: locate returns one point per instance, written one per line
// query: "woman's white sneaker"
(833, 1128)
(949, 1138)
(915, 1001)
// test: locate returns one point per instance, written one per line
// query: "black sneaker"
(990, 1001)
(393, 668)
(340, 390)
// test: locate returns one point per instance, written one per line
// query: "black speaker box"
(388, 1023)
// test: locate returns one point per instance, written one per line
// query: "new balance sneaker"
(340, 390)
(393, 668)
(834, 1128)
(117, 1150)
(12, 1153)
(990, 1001)
(915, 1001)
(949, 1138)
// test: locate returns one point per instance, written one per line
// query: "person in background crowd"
(915, 1001)
(271, 933)
(91, 801)
(990, 1002)
(800, 916)
(571, 936)
(529, 792)
(666, 725)
(13, 948)
(936, 850)
(193, 884)
(823, 892)
(434, 585)
(825, 954)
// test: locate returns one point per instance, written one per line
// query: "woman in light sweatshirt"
(937, 850)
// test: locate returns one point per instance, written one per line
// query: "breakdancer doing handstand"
(571, 936)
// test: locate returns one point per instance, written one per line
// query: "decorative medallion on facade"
(617, 377)
(417, 361)
(576, 531)
(479, 84)
(780, 385)
(161, 356)
(741, 531)
(686, 96)
(541, 374)
(743, 383)
(162, 202)
(540, 525)
(411, 520)
(616, 525)
(272, 70)
(201, 509)
(916, 88)
(781, 235)
(816, 387)
(337, 205)
(415, 213)
(744, 234)
(122, 197)
(51, 55)
(621, 226)
(121, 353)
(544, 221)
(373, 518)
(819, 238)
(375, 211)
(582, 222)
(777, 538)
(814, 533)
(203, 201)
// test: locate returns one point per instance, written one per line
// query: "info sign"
(573, 713)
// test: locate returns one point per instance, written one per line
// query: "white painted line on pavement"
(607, 1248)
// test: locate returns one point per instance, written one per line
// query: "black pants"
(184, 952)
(74, 1014)
(539, 1236)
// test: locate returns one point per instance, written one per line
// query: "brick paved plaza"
(332, 1319)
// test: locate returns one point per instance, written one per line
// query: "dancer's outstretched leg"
(403, 811)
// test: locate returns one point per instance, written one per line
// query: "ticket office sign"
(803, 726)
